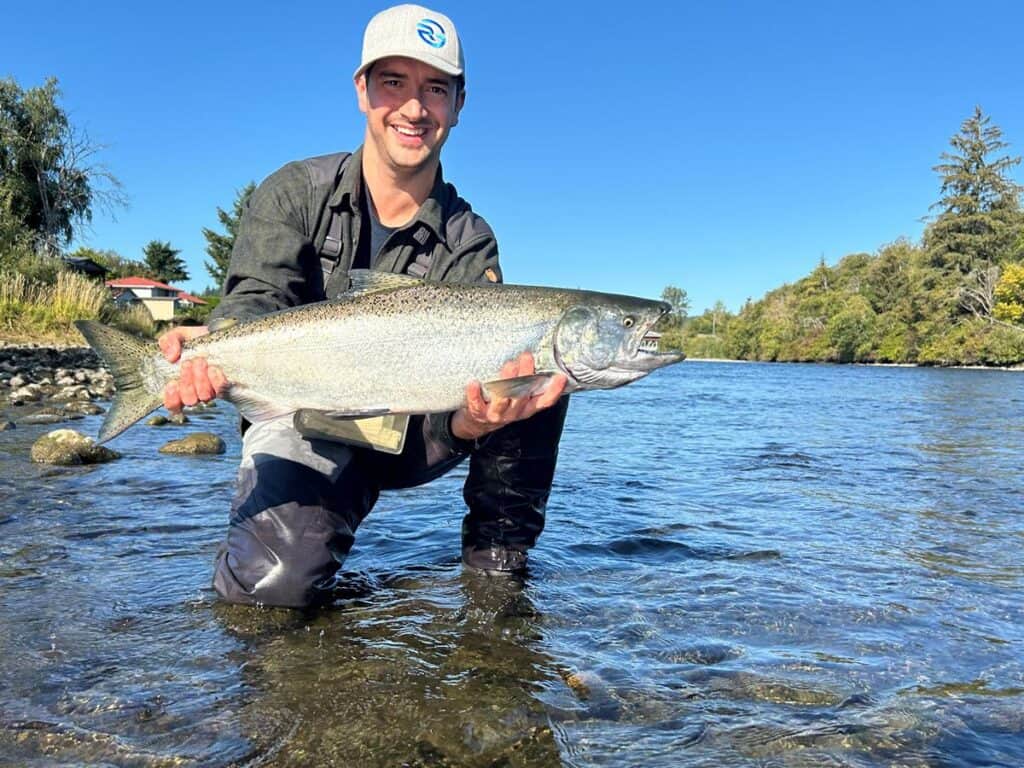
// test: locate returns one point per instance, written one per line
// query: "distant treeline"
(957, 297)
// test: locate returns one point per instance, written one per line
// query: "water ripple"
(743, 565)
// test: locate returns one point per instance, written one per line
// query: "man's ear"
(460, 102)
(362, 97)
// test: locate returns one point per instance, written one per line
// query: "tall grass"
(38, 311)
(15, 293)
(135, 319)
(76, 297)
(20, 299)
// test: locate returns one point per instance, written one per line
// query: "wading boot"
(494, 560)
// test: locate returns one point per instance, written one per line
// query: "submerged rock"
(43, 417)
(194, 444)
(577, 683)
(66, 447)
(156, 421)
(5, 425)
(85, 408)
(178, 418)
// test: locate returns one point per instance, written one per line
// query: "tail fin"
(126, 356)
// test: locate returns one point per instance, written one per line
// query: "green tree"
(116, 264)
(162, 262)
(718, 315)
(741, 342)
(822, 277)
(888, 280)
(980, 217)
(49, 178)
(15, 238)
(679, 301)
(849, 330)
(218, 246)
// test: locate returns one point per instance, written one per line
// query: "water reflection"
(423, 669)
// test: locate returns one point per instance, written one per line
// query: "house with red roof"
(159, 298)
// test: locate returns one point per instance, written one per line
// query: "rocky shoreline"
(48, 385)
(53, 385)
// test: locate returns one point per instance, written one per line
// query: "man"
(303, 487)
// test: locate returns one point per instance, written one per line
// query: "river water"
(744, 565)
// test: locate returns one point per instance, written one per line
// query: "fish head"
(598, 342)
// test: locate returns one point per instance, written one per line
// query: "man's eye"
(439, 91)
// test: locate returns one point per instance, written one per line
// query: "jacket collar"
(430, 213)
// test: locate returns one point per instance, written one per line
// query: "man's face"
(410, 107)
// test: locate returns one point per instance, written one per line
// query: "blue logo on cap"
(431, 33)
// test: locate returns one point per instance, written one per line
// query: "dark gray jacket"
(276, 262)
(290, 250)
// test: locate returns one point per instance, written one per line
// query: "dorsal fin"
(370, 281)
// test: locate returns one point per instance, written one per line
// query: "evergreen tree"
(980, 219)
(218, 246)
(162, 262)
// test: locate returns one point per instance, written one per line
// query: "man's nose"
(413, 109)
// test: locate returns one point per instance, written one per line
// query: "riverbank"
(1016, 367)
(49, 385)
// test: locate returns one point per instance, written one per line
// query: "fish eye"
(628, 321)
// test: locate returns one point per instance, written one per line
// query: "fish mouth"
(644, 360)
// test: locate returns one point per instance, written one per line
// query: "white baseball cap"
(417, 33)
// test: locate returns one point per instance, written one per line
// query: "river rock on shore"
(195, 444)
(66, 447)
(48, 384)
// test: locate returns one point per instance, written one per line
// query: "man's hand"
(480, 417)
(196, 381)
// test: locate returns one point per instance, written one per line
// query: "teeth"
(409, 131)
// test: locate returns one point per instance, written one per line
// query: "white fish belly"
(402, 363)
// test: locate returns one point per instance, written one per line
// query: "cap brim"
(426, 58)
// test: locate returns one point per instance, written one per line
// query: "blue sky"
(722, 147)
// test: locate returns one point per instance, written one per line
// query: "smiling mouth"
(408, 132)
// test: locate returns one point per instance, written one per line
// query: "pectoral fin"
(518, 386)
(253, 406)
